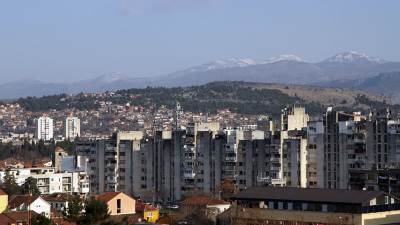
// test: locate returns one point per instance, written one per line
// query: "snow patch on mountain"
(225, 63)
(111, 77)
(281, 58)
(354, 57)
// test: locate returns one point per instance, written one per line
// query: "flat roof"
(307, 195)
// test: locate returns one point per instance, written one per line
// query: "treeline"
(58, 102)
(31, 150)
(240, 97)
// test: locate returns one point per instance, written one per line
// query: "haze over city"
(199, 112)
(76, 40)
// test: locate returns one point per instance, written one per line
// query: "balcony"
(263, 178)
(231, 148)
(190, 149)
(111, 179)
(278, 181)
(231, 158)
(189, 174)
(230, 168)
(274, 159)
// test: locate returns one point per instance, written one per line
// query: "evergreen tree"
(30, 187)
(41, 220)
(95, 211)
(74, 210)
(10, 186)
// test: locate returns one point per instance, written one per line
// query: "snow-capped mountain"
(281, 58)
(111, 77)
(286, 69)
(354, 57)
(223, 64)
(244, 62)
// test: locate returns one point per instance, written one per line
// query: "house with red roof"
(29, 202)
(118, 203)
(17, 218)
(205, 202)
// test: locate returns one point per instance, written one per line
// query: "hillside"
(383, 83)
(240, 97)
(284, 69)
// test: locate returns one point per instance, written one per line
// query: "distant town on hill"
(241, 97)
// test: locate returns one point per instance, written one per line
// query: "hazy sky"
(59, 40)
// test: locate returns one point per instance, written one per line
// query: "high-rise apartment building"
(121, 163)
(44, 128)
(293, 146)
(72, 127)
(338, 151)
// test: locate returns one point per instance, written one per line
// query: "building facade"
(72, 128)
(44, 128)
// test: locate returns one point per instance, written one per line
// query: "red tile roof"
(107, 196)
(5, 219)
(57, 197)
(2, 192)
(202, 200)
(62, 221)
(18, 216)
(149, 207)
(142, 206)
(17, 200)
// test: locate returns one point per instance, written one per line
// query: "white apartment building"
(293, 146)
(44, 128)
(49, 182)
(72, 127)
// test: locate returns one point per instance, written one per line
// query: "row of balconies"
(189, 174)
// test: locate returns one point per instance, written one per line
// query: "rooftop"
(202, 200)
(308, 194)
(18, 200)
(107, 196)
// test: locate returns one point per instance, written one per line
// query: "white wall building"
(44, 128)
(49, 182)
(27, 202)
(72, 127)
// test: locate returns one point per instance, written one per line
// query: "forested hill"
(240, 97)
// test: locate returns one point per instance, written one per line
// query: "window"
(118, 205)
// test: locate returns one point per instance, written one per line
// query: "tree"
(74, 210)
(95, 211)
(10, 186)
(30, 187)
(41, 220)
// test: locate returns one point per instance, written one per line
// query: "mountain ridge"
(285, 69)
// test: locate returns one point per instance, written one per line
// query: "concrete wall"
(390, 217)
(255, 216)
(3, 203)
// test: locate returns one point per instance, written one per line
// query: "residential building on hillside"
(49, 182)
(72, 127)
(29, 202)
(44, 128)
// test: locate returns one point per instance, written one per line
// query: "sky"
(63, 41)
